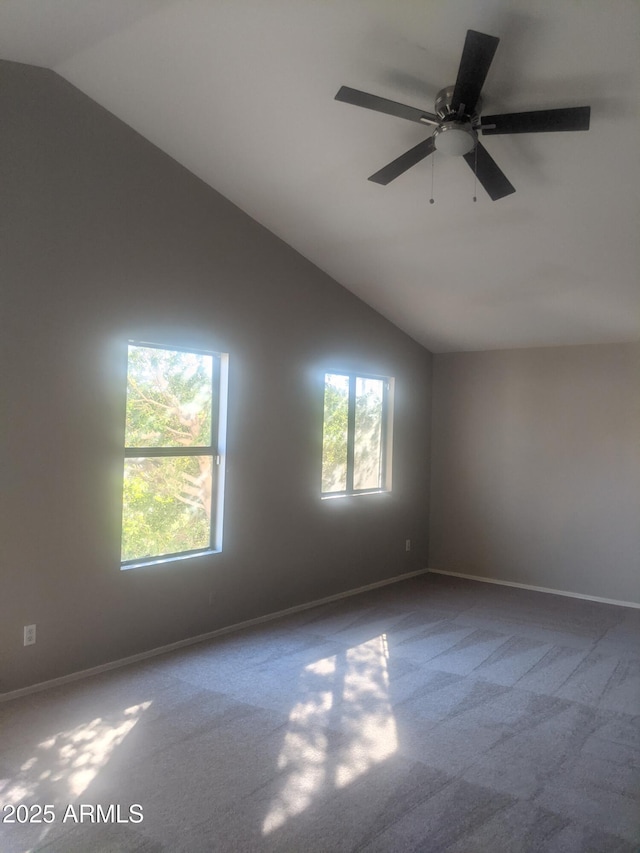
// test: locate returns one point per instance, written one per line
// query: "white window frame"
(386, 433)
(216, 450)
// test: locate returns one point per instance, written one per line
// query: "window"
(356, 434)
(172, 472)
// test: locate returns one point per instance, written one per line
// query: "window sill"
(354, 495)
(157, 561)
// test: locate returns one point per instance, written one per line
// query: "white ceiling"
(242, 93)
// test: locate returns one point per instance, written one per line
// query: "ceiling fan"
(457, 120)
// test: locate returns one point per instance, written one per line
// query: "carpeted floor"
(437, 714)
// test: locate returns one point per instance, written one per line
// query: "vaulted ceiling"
(242, 93)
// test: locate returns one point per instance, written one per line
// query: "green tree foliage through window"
(168, 470)
(368, 433)
(334, 441)
(354, 434)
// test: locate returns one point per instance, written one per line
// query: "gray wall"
(105, 239)
(536, 467)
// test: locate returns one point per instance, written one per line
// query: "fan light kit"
(457, 120)
(454, 138)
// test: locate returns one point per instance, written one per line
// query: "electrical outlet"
(29, 635)
(407, 545)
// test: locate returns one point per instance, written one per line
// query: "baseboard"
(191, 641)
(538, 588)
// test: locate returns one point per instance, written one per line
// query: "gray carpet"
(437, 715)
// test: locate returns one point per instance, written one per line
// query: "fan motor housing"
(455, 134)
(446, 113)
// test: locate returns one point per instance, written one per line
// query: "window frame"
(213, 450)
(386, 431)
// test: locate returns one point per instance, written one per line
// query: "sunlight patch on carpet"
(367, 715)
(72, 757)
(345, 696)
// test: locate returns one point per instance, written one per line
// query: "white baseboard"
(538, 588)
(160, 650)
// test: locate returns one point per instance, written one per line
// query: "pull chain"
(433, 158)
(475, 173)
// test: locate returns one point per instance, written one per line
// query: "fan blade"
(538, 121)
(489, 173)
(404, 162)
(477, 55)
(382, 105)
